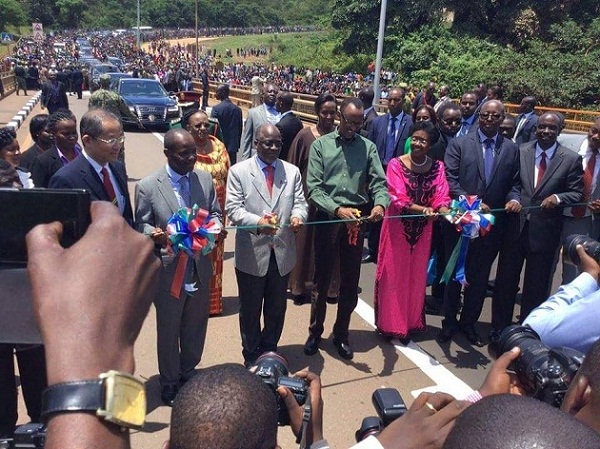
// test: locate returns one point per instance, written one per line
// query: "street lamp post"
(197, 59)
(138, 25)
(380, 39)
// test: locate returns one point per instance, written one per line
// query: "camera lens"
(371, 425)
(591, 247)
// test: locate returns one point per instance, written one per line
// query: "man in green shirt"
(345, 178)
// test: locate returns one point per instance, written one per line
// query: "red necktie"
(541, 169)
(270, 178)
(108, 186)
(588, 177)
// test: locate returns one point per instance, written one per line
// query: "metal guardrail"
(575, 120)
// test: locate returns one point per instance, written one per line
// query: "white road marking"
(444, 379)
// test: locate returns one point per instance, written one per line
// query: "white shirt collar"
(549, 152)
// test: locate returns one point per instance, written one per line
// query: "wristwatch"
(116, 397)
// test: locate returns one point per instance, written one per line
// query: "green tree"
(70, 13)
(11, 13)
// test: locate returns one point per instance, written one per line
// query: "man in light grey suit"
(259, 115)
(265, 196)
(180, 321)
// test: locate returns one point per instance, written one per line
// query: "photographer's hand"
(90, 301)
(315, 427)
(587, 263)
(499, 380)
(426, 423)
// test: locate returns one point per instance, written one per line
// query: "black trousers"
(537, 280)
(327, 236)
(32, 373)
(266, 294)
(480, 257)
(373, 238)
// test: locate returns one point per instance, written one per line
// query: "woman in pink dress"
(417, 185)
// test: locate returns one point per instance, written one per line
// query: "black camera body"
(272, 368)
(591, 247)
(544, 373)
(389, 406)
(30, 436)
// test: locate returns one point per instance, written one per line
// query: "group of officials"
(345, 183)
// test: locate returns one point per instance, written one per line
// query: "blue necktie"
(184, 190)
(390, 143)
(464, 129)
(488, 160)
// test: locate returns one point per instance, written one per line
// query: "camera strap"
(301, 438)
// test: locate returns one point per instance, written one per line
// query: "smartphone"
(21, 211)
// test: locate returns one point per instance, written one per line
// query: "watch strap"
(76, 396)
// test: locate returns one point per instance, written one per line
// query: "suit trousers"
(480, 257)
(327, 236)
(181, 330)
(266, 294)
(537, 280)
(32, 374)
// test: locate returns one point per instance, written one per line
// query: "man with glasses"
(98, 170)
(182, 308)
(345, 177)
(265, 198)
(485, 164)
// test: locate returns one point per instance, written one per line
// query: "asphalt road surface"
(347, 385)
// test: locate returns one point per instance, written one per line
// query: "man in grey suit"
(265, 196)
(259, 115)
(551, 175)
(181, 320)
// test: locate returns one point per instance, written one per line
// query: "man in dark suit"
(54, 94)
(468, 108)
(63, 127)
(288, 125)
(181, 320)
(485, 164)
(97, 169)
(366, 95)
(551, 175)
(526, 121)
(389, 133)
(230, 120)
(426, 96)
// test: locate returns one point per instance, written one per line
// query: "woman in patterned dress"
(417, 185)
(212, 157)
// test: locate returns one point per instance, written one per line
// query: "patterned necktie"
(390, 142)
(270, 176)
(184, 190)
(541, 169)
(488, 160)
(588, 178)
(108, 186)
(464, 128)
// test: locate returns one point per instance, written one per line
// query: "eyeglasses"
(271, 143)
(419, 140)
(357, 123)
(452, 122)
(486, 115)
(112, 141)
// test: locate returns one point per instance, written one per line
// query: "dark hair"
(7, 135)
(429, 109)
(92, 122)
(222, 92)
(37, 125)
(427, 127)
(591, 369)
(447, 106)
(286, 98)
(367, 94)
(513, 422)
(322, 99)
(8, 174)
(356, 102)
(59, 116)
(225, 407)
(188, 114)
(497, 91)
(170, 138)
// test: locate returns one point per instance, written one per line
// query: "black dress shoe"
(344, 349)
(311, 347)
(167, 394)
(473, 336)
(446, 334)
(299, 300)
(332, 300)
(369, 258)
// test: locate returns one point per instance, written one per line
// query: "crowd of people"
(393, 176)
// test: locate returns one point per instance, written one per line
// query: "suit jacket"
(155, 204)
(80, 174)
(527, 132)
(366, 128)
(564, 178)
(30, 155)
(256, 116)
(45, 166)
(289, 126)
(230, 119)
(60, 101)
(466, 175)
(247, 201)
(379, 134)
